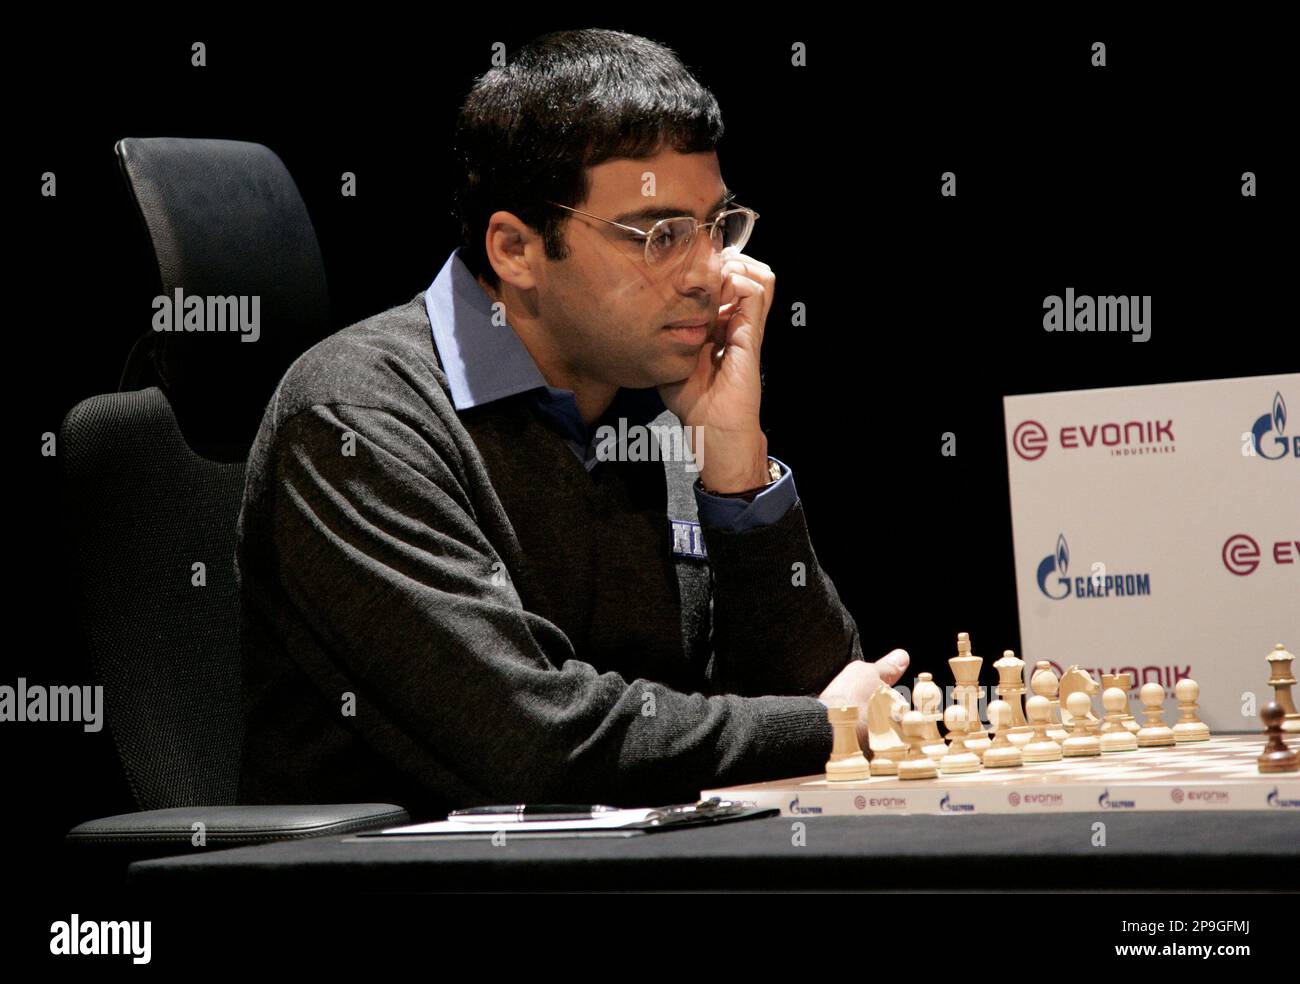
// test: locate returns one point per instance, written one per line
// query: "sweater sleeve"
(778, 624)
(382, 559)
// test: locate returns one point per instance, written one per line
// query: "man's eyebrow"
(665, 212)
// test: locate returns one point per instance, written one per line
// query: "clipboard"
(622, 823)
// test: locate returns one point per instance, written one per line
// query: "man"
(458, 588)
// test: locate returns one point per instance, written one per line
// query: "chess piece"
(1081, 741)
(1281, 678)
(1155, 733)
(959, 758)
(885, 709)
(928, 699)
(1130, 721)
(1114, 736)
(1043, 748)
(1078, 679)
(1001, 753)
(1124, 681)
(1044, 683)
(1011, 688)
(966, 672)
(1277, 757)
(917, 764)
(1189, 727)
(847, 762)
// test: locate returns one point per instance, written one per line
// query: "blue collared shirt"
(484, 362)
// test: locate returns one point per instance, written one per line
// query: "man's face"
(603, 306)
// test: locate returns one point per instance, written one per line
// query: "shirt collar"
(485, 361)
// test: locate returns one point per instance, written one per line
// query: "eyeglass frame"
(646, 235)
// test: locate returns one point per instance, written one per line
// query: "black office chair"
(150, 507)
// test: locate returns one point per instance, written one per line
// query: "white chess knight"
(1078, 680)
(885, 709)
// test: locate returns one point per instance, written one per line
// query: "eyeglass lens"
(673, 235)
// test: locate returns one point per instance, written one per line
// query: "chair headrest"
(227, 226)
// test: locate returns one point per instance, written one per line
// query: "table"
(1153, 851)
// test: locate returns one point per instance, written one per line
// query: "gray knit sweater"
(443, 609)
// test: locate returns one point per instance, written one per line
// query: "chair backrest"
(153, 476)
(225, 220)
(150, 527)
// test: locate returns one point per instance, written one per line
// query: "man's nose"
(701, 267)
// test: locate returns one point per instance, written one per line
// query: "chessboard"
(1218, 774)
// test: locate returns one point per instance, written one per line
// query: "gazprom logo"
(796, 808)
(1057, 563)
(1275, 800)
(1055, 583)
(1106, 803)
(1278, 445)
(948, 806)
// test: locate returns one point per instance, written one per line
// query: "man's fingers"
(892, 665)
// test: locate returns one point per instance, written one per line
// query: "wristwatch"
(774, 473)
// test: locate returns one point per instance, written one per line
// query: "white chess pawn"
(1046, 684)
(1081, 741)
(1155, 733)
(1001, 753)
(1189, 726)
(917, 765)
(1114, 736)
(1043, 748)
(959, 757)
(847, 763)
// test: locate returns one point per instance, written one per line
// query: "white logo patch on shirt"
(688, 539)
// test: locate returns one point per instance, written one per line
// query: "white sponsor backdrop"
(1158, 488)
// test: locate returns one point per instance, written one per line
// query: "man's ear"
(513, 249)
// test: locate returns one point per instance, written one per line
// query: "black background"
(923, 312)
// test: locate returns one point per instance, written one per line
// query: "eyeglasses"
(670, 239)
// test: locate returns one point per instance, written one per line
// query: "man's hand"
(723, 393)
(855, 684)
